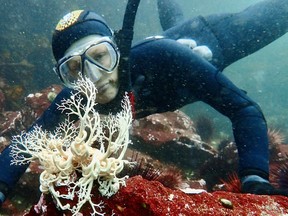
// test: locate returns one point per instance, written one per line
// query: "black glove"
(3, 192)
(262, 188)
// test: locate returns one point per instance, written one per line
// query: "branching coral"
(69, 155)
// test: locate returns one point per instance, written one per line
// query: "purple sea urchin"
(279, 175)
(170, 177)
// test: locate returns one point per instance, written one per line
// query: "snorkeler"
(166, 74)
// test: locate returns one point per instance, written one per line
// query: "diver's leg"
(244, 33)
(170, 13)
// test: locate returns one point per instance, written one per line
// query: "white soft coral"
(70, 149)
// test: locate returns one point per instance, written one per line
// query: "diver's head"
(83, 44)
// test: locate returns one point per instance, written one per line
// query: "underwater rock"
(221, 166)
(19, 74)
(11, 122)
(142, 197)
(2, 101)
(171, 137)
(22, 64)
(38, 102)
(3, 142)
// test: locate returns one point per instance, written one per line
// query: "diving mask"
(102, 55)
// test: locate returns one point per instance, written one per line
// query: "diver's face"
(108, 86)
(97, 58)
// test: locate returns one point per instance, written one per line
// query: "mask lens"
(103, 55)
(70, 69)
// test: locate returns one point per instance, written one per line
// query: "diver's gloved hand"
(259, 186)
(3, 192)
(2, 198)
(202, 51)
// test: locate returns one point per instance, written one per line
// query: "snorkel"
(124, 39)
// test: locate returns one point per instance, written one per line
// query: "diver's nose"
(92, 71)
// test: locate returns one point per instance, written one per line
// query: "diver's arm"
(10, 174)
(175, 76)
(52, 116)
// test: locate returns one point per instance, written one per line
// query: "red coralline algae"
(150, 198)
(40, 101)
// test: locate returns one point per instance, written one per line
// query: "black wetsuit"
(168, 75)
